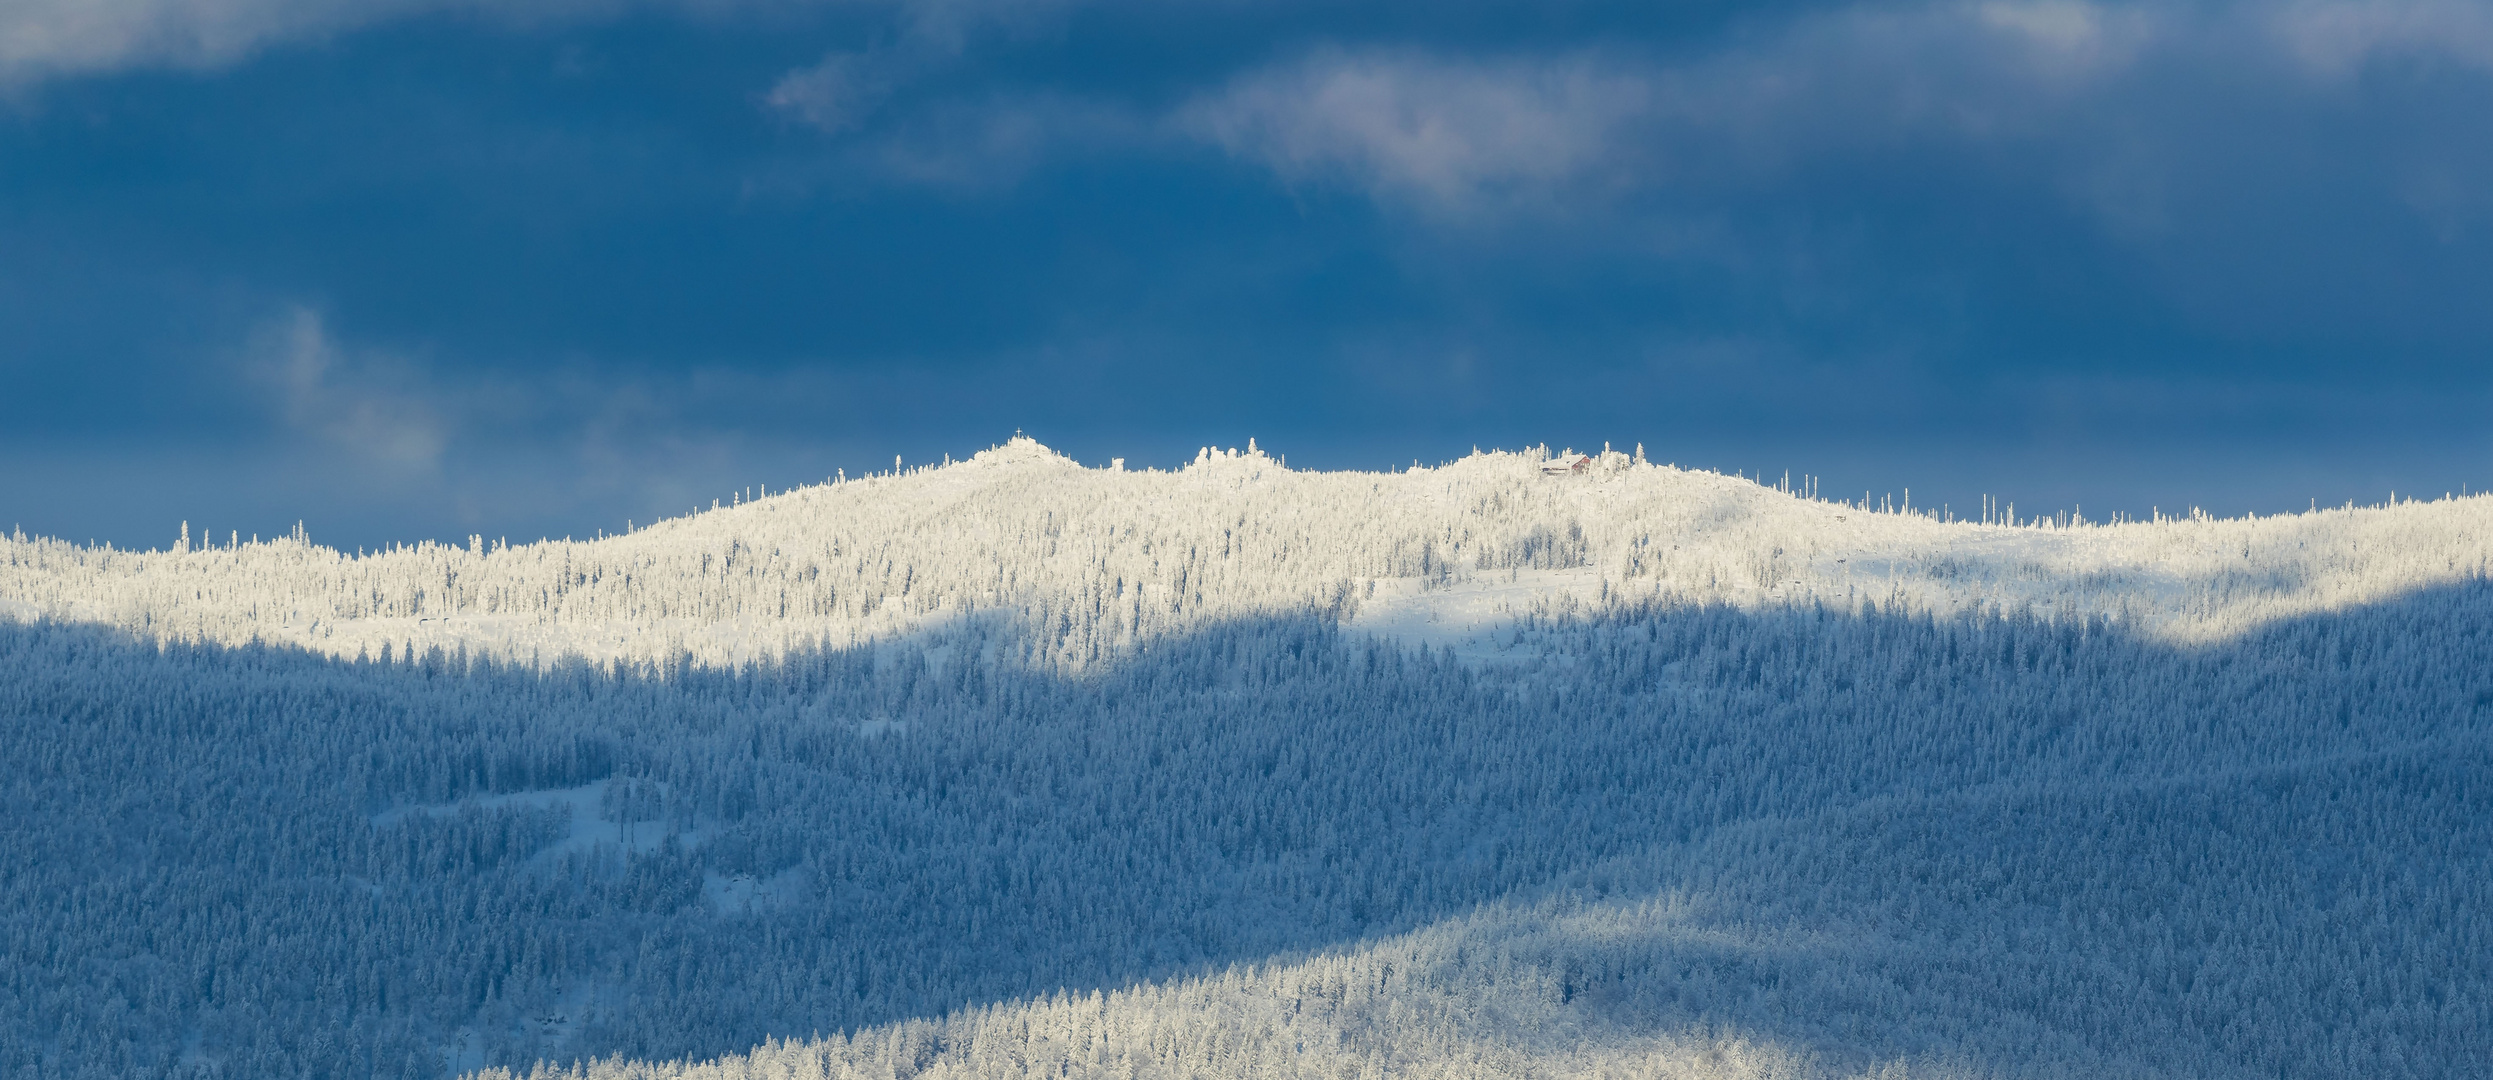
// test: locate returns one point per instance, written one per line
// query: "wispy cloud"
(366, 403)
(840, 92)
(1457, 133)
(543, 436)
(41, 38)
(2338, 37)
(1449, 132)
(2074, 80)
(47, 38)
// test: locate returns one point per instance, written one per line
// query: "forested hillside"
(1012, 767)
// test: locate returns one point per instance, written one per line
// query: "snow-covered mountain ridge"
(1693, 778)
(1083, 563)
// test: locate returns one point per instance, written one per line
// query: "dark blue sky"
(421, 268)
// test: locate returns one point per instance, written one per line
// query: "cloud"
(2107, 106)
(838, 93)
(367, 404)
(43, 39)
(1449, 132)
(969, 143)
(2077, 35)
(40, 38)
(524, 443)
(2338, 37)
(2090, 86)
(1460, 133)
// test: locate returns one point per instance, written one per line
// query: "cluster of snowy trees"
(1089, 563)
(2180, 798)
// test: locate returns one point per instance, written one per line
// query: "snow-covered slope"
(1014, 768)
(1082, 564)
(2156, 930)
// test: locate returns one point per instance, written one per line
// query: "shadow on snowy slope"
(2035, 847)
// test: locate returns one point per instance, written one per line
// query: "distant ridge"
(1089, 562)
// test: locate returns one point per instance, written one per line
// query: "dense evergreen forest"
(1015, 768)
